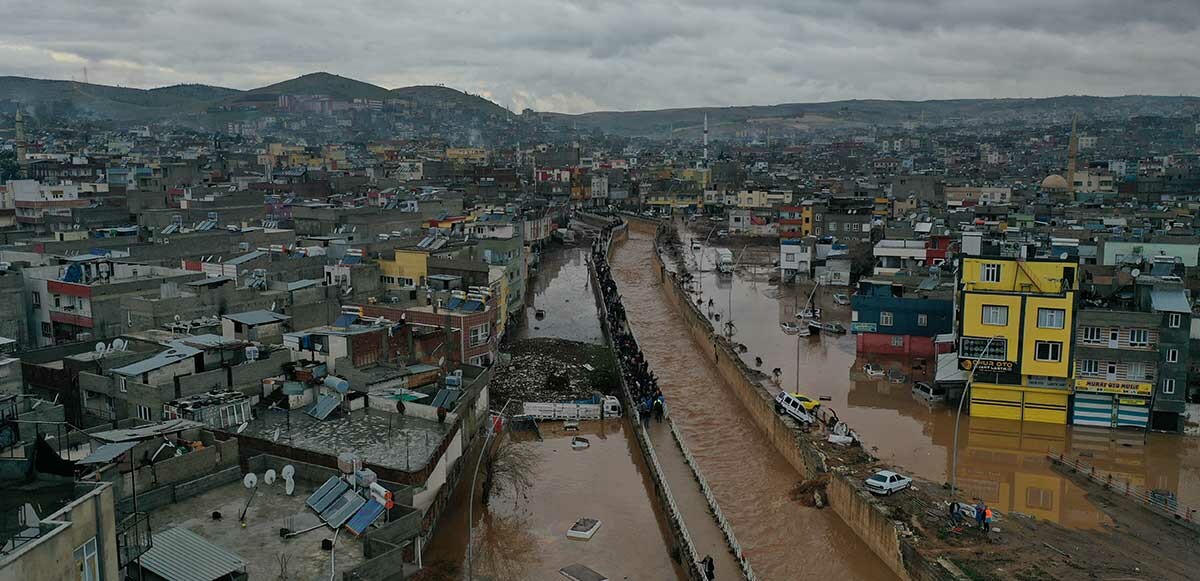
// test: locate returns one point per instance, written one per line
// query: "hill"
(335, 86)
(428, 95)
(666, 122)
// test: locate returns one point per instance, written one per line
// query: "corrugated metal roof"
(1169, 300)
(181, 555)
(147, 432)
(259, 317)
(107, 452)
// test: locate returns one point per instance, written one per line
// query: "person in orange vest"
(987, 519)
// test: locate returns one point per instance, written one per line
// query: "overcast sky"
(583, 55)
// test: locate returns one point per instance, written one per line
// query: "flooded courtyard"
(525, 537)
(1001, 461)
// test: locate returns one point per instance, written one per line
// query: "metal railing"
(1156, 502)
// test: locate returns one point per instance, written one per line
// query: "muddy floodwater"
(1001, 461)
(782, 539)
(525, 538)
(560, 290)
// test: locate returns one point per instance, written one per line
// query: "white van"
(786, 403)
(932, 393)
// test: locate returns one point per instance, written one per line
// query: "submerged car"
(896, 376)
(873, 370)
(929, 392)
(886, 482)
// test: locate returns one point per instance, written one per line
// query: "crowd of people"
(643, 385)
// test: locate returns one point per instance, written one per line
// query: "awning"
(1169, 301)
(107, 453)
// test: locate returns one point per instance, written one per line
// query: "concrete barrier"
(852, 504)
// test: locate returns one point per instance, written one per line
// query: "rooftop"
(259, 545)
(380, 438)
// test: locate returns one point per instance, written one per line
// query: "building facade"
(1016, 333)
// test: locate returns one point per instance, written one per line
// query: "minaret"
(706, 140)
(1072, 151)
(20, 122)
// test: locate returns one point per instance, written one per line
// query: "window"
(789, 257)
(991, 273)
(853, 316)
(46, 330)
(405, 281)
(897, 340)
(922, 320)
(1092, 335)
(995, 315)
(1172, 356)
(1174, 320)
(1168, 386)
(1089, 367)
(1047, 351)
(479, 334)
(973, 348)
(122, 384)
(885, 318)
(37, 300)
(1135, 370)
(1111, 369)
(87, 562)
(833, 226)
(1051, 318)
(1139, 338)
(143, 413)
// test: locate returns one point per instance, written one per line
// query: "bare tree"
(510, 466)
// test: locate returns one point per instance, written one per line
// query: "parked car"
(886, 482)
(873, 371)
(796, 405)
(695, 245)
(722, 233)
(896, 376)
(929, 392)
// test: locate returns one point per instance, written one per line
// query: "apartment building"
(1016, 331)
(1131, 359)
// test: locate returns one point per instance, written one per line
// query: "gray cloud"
(623, 54)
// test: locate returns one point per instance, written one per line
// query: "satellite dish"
(100, 347)
(1135, 273)
(289, 486)
(250, 481)
(176, 318)
(120, 344)
(317, 347)
(269, 477)
(1063, 256)
(288, 472)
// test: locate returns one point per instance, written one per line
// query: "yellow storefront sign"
(1114, 387)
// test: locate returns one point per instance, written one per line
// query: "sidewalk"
(706, 535)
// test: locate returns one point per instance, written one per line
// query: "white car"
(886, 482)
(873, 370)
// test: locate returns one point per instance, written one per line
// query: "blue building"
(893, 319)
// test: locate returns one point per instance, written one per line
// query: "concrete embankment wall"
(681, 541)
(868, 519)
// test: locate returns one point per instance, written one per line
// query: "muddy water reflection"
(526, 538)
(561, 290)
(751, 480)
(1001, 461)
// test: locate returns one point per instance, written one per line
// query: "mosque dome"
(1055, 183)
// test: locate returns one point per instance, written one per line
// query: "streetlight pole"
(471, 492)
(958, 415)
(732, 278)
(700, 261)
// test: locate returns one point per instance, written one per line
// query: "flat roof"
(259, 317)
(385, 439)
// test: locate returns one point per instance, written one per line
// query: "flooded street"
(1000, 461)
(783, 539)
(560, 290)
(526, 538)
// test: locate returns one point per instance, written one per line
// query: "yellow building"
(406, 269)
(1025, 308)
(467, 155)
